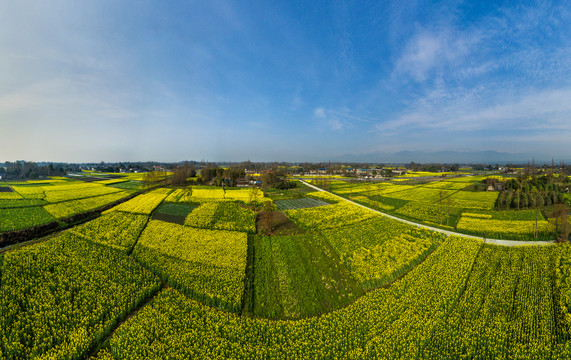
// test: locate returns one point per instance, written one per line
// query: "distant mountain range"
(449, 157)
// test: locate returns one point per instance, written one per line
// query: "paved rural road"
(486, 240)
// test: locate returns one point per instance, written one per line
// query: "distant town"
(243, 173)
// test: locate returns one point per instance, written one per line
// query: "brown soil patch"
(6, 189)
(277, 224)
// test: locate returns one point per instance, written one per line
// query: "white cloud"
(319, 113)
(420, 56)
(340, 119)
(431, 50)
(536, 110)
(335, 124)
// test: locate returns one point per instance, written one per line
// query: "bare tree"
(152, 178)
(560, 213)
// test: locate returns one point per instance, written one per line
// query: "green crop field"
(206, 264)
(20, 218)
(449, 203)
(72, 207)
(301, 203)
(63, 296)
(35, 203)
(127, 185)
(285, 180)
(347, 283)
(118, 230)
(176, 209)
(299, 276)
(223, 215)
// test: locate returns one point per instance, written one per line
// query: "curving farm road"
(447, 232)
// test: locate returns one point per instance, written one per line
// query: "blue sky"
(286, 81)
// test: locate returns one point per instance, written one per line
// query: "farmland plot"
(223, 215)
(301, 203)
(143, 204)
(298, 276)
(506, 311)
(392, 323)
(60, 297)
(118, 230)
(379, 250)
(21, 218)
(208, 265)
(73, 207)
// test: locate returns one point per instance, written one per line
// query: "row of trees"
(530, 192)
(31, 170)
(536, 192)
(187, 174)
(183, 174)
(522, 199)
(221, 176)
(544, 182)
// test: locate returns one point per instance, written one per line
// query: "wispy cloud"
(328, 119)
(497, 81)
(338, 120)
(319, 113)
(62, 94)
(196, 78)
(434, 50)
(536, 110)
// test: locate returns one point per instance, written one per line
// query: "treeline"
(521, 199)
(537, 192)
(222, 177)
(31, 170)
(188, 174)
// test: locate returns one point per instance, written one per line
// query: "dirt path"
(447, 232)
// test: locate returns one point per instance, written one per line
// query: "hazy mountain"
(465, 157)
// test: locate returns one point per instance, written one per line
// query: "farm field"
(143, 204)
(62, 296)
(285, 180)
(339, 213)
(450, 204)
(206, 264)
(223, 215)
(118, 230)
(508, 300)
(173, 212)
(28, 204)
(25, 217)
(302, 203)
(299, 276)
(349, 283)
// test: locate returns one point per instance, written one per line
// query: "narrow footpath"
(447, 232)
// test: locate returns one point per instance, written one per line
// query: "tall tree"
(234, 173)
